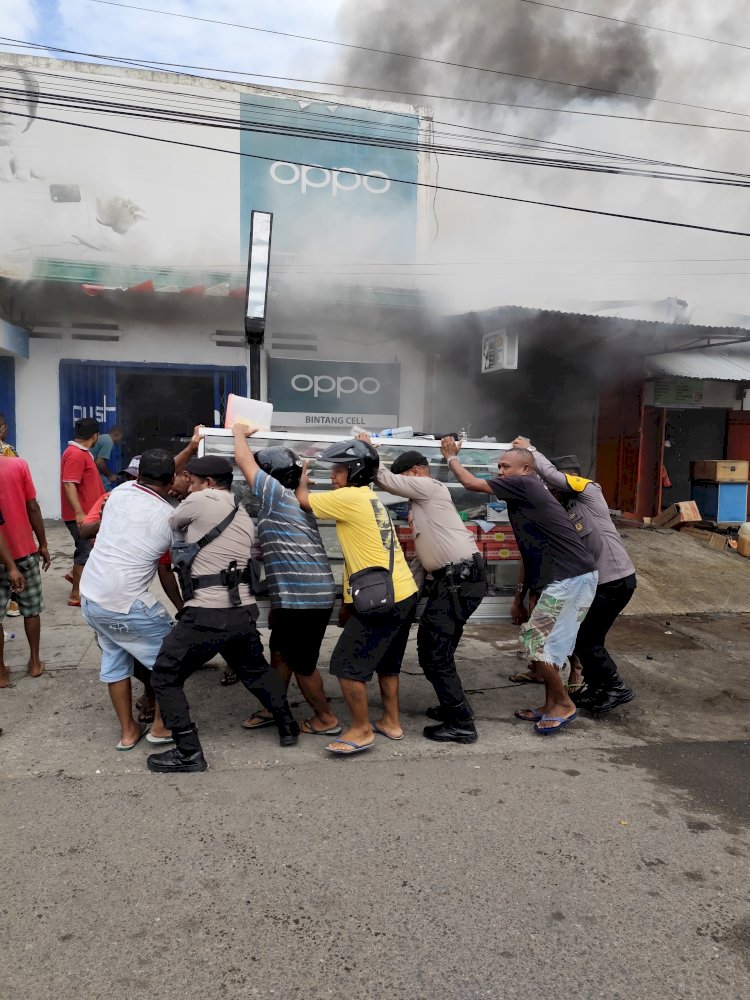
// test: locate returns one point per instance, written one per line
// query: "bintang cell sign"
(334, 394)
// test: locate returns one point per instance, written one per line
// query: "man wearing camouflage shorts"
(555, 562)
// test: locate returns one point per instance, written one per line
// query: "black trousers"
(440, 630)
(599, 669)
(201, 633)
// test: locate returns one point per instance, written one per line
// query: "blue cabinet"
(725, 503)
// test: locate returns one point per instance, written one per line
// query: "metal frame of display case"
(480, 457)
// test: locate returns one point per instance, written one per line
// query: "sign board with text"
(307, 393)
(683, 393)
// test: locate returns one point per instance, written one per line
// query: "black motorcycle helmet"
(282, 464)
(360, 459)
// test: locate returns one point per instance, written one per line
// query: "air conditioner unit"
(499, 351)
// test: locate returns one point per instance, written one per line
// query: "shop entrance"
(158, 410)
(156, 406)
(693, 435)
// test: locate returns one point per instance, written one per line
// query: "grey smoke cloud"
(497, 34)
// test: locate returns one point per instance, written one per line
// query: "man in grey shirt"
(455, 586)
(589, 514)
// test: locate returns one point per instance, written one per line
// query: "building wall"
(38, 389)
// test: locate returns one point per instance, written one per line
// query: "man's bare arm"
(243, 455)
(71, 494)
(303, 490)
(16, 578)
(450, 449)
(169, 585)
(34, 512)
(182, 458)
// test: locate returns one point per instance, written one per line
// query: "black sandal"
(229, 678)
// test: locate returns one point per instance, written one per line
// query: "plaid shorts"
(30, 602)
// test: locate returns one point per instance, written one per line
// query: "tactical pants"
(440, 631)
(201, 633)
(599, 669)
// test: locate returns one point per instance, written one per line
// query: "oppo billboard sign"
(308, 392)
(340, 180)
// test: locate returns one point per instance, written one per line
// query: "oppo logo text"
(341, 385)
(341, 179)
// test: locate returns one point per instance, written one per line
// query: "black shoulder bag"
(371, 588)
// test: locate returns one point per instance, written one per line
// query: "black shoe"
(438, 712)
(452, 731)
(176, 761)
(288, 732)
(607, 700)
(586, 697)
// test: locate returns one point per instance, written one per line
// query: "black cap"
(209, 466)
(407, 460)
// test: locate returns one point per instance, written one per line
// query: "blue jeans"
(123, 638)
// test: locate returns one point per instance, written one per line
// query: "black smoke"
(506, 35)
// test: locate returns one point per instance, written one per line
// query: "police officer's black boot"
(186, 755)
(443, 712)
(605, 700)
(457, 727)
(287, 726)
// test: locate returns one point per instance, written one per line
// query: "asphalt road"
(610, 861)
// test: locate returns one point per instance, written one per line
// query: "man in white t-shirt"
(129, 621)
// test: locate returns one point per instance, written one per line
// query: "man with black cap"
(218, 616)
(374, 640)
(300, 582)
(455, 586)
(589, 514)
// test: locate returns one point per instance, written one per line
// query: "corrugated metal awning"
(725, 365)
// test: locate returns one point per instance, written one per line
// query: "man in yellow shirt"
(367, 645)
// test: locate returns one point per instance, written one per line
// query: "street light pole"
(256, 296)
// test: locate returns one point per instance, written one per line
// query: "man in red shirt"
(80, 488)
(23, 521)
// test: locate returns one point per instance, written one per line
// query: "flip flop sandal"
(533, 715)
(356, 748)
(157, 741)
(333, 731)
(123, 748)
(228, 679)
(549, 730)
(525, 679)
(381, 732)
(74, 604)
(574, 688)
(262, 721)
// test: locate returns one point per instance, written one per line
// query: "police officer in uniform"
(455, 585)
(218, 617)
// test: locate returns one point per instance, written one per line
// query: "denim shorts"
(549, 636)
(123, 638)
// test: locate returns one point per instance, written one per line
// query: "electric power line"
(251, 125)
(428, 59)
(155, 65)
(416, 183)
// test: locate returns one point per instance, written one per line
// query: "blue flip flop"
(548, 730)
(356, 748)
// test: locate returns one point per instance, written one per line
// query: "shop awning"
(727, 364)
